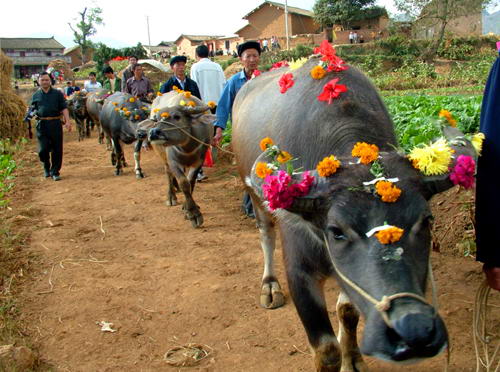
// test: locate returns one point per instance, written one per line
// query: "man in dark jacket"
(180, 80)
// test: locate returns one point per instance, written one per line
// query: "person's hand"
(492, 276)
(218, 136)
(67, 125)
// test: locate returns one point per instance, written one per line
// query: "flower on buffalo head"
(318, 72)
(182, 102)
(165, 115)
(187, 94)
(265, 143)
(286, 82)
(211, 104)
(280, 192)
(159, 94)
(387, 191)
(331, 90)
(262, 170)
(365, 152)
(463, 172)
(449, 118)
(297, 64)
(191, 103)
(477, 142)
(156, 110)
(117, 109)
(329, 56)
(328, 166)
(131, 99)
(115, 103)
(137, 117)
(389, 235)
(278, 65)
(283, 157)
(433, 159)
(256, 73)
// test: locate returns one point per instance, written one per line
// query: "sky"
(125, 21)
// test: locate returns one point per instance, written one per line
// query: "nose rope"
(381, 306)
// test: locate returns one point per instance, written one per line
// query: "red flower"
(331, 91)
(278, 65)
(335, 63)
(286, 81)
(256, 73)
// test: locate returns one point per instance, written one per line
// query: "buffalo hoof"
(118, 172)
(197, 221)
(271, 296)
(356, 364)
(327, 357)
(139, 175)
(125, 164)
(171, 202)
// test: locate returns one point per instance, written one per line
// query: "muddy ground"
(107, 248)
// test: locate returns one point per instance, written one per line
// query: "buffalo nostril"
(417, 330)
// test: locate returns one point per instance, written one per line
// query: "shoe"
(201, 177)
(46, 173)
(56, 178)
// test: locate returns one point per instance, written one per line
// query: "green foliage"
(103, 54)
(227, 62)
(330, 12)
(267, 59)
(227, 134)
(86, 27)
(415, 117)
(7, 168)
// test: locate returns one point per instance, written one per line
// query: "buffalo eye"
(337, 232)
(177, 117)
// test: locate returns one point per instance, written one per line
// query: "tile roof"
(30, 43)
(291, 9)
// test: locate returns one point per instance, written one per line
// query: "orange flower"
(211, 104)
(187, 94)
(176, 88)
(117, 109)
(165, 115)
(131, 99)
(389, 235)
(156, 110)
(449, 117)
(159, 94)
(387, 191)
(283, 157)
(367, 153)
(328, 166)
(265, 142)
(127, 113)
(137, 117)
(262, 170)
(115, 103)
(191, 103)
(318, 72)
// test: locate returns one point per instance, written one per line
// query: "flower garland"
(280, 192)
(389, 235)
(433, 159)
(263, 169)
(286, 82)
(265, 143)
(463, 172)
(365, 152)
(328, 166)
(387, 191)
(329, 56)
(332, 90)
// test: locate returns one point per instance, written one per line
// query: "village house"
(32, 55)
(186, 44)
(76, 55)
(162, 50)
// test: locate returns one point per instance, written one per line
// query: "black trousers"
(50, 145)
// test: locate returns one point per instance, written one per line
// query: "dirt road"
(107, 248)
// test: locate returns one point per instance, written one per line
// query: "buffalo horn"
(193, 110)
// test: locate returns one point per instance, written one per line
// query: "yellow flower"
(159, 94)
(191, 103)
(187, 94)
(182, 102)
(297, 64)
(156, 110)
(433, 159)
(117, 109)
(144, 108)
(477, 142)
(137, 117)
(283, 157)
(366, 152)
(175, 87)
(115, 103)
(265, 142)
(165, 115)
(131, 99)
(387, 191)
(211, 104)
(318, 72)
(328, 166)
(262, 170)
(127, 113)
(389, 235)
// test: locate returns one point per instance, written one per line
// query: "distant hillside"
(491, 22)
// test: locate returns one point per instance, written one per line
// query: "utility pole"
(286, 25)
(149, 37)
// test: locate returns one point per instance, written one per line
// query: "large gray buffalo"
(180, 135)
(120, 117)
(326, 232)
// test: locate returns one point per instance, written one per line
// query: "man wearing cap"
(180, 80)
(249, 53)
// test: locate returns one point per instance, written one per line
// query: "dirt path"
(162, 283)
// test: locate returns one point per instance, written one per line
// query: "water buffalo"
(180, 133)
(119, 118)
(78, 111)
(94, 103)
(324, 233)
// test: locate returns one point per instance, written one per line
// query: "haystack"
(233, 69)
(12, 107)
(60, 65)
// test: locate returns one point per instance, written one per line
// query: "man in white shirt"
(208, 76)
(92, 84)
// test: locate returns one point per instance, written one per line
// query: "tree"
(343, 12)
(437, 14)
(85, 28)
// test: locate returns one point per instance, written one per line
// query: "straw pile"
(12, 107)
(62, 66)
(233, 69)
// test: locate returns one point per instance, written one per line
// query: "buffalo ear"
(462, 146)
(206, 119)
(193, 110)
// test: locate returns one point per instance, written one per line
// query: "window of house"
(22, 53)
(226, 44)
(48, 54)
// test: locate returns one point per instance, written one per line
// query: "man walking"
(128, 73)
(249, 53)
(180, 80)
(92, 84)
(49, 106)
(139, 85)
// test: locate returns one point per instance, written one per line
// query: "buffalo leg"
(171, 185)
(88, 124)
(137, 158)
(271, 295)
(191, 210)
(348, 323)
(118, 151)
(80, 124)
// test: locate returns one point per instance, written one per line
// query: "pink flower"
(278, 65)
(285, 82)
(280, 192)
(331, 91)
(463, 172)
(329, 54)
